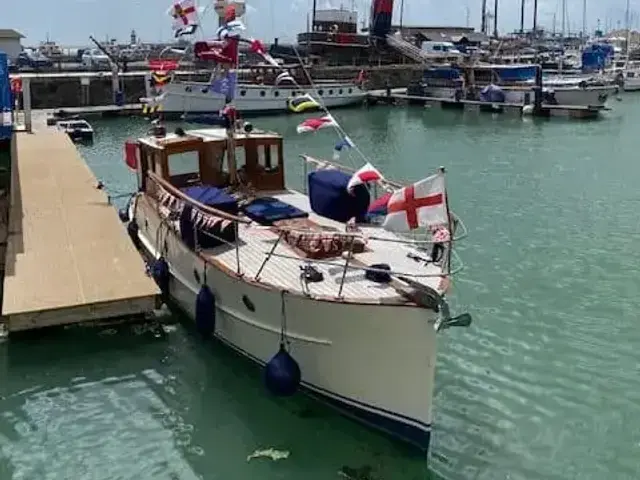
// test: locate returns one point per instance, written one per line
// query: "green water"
(544, 385)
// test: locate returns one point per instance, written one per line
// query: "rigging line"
(325, 109)
(339, 130)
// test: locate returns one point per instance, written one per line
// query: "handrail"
(200, 206)
(378, 270)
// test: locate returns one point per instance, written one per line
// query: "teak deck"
(69, 258)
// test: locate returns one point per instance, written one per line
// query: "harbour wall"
(74, 89)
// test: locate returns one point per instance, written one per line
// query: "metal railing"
(172, 199)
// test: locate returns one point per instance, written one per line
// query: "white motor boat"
(352, 309)
(78, 130)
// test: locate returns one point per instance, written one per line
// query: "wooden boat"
(352, 310)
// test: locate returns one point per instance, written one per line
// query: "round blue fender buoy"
(160, 273)
(282, 374)
(205, 311)
(132, 230)
(123, 213)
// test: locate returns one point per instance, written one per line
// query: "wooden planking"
(66, 247)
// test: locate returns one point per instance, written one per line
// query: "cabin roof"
(206, 135)
(10, 33)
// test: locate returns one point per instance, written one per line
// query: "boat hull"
(374, 363)
(193, 97)
(566, 96)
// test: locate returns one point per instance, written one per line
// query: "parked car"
(95, 58)
(33, 59)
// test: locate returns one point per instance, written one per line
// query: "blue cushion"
(329, 197)
(267, 210)
(212, 197)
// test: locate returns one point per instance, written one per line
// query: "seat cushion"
(267, 210)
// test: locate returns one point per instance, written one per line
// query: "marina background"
(542, 386)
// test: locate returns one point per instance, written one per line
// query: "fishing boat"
(79, 130)
(353, 307)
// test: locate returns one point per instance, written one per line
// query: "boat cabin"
(251, 159)
(205, 181)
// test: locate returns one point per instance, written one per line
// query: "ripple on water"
(97, 430)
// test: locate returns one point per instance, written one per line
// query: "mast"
(401, 13)
(314, 7)
(584, 19)
(564, 19)
(483, 25)
(495, 18)
(628, 22)
(522, 16)
(535, 17)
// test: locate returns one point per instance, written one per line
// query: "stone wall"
(68, 91)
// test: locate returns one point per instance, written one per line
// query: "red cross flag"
(184, 13)
(423, 204)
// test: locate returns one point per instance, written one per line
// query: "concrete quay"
(68, 257)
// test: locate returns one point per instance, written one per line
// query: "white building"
(10, 42)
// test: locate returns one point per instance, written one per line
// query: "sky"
(70, 22)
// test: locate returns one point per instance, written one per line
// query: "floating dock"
(400, 96)
(69, 258)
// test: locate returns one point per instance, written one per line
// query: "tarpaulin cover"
(329, 197)
(212, 197)
(208, 237)
(6, 106)
(266, 210)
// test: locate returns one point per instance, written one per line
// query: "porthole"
(320, 92)
(276, 93)
(205, 90)
(187, 89)
(262, 93)
(350, 90)
(330, 92)
(340, 92)
(243, 93)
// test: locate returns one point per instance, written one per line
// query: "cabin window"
(340, 92)
(184, 169)
(330, 92)
(243, 93)
(268, 158)
(350, 90)
(276, 93)
(320, 92)
(262, 93)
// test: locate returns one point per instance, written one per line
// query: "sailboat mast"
(584, 19)
(535, 17)
(564, 20)
(522, 16)
(628, 22)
